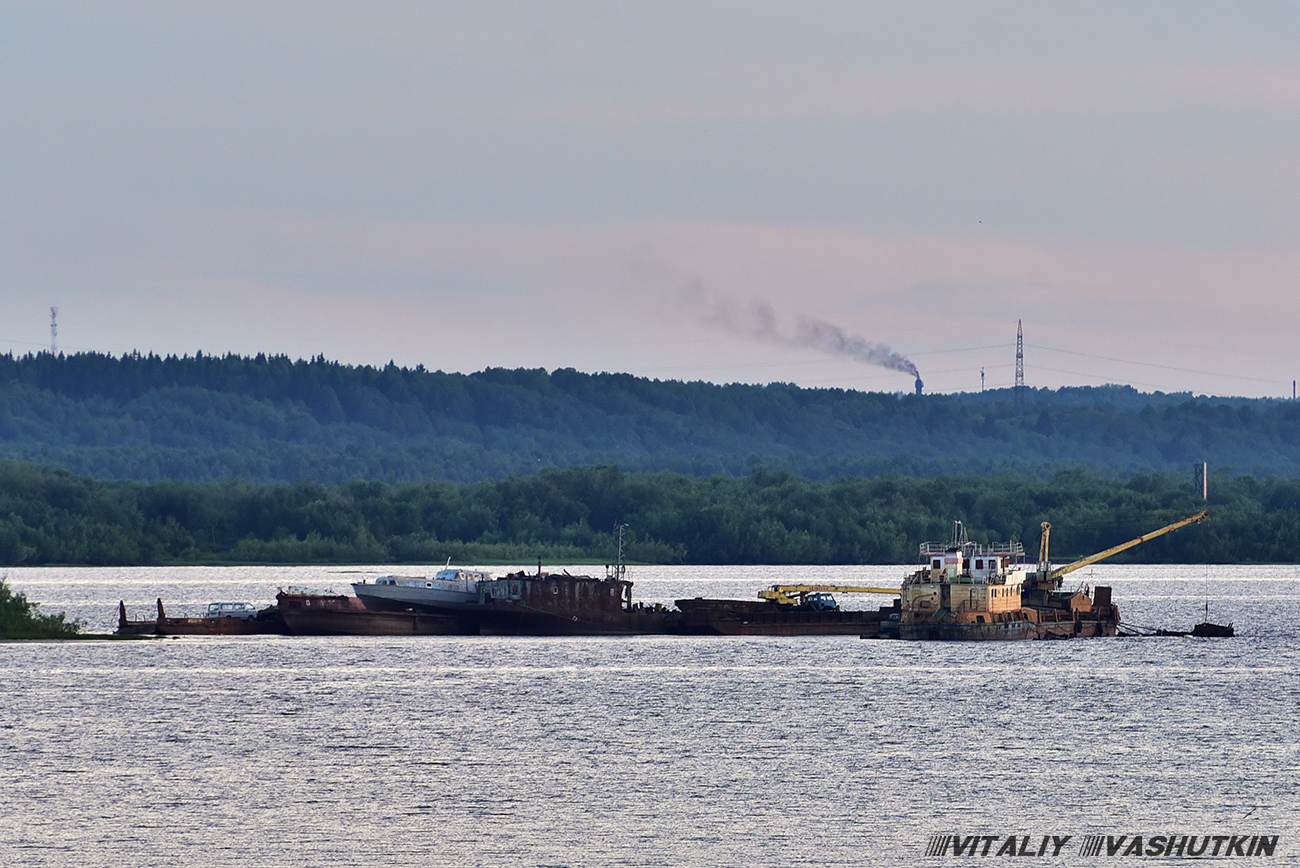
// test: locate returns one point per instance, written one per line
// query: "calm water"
(641, 751)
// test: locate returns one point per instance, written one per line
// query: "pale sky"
(588, 185)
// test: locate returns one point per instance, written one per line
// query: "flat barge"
(821, 616)
(223, 619)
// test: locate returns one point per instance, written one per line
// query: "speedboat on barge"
(449, 590)
(972, 592)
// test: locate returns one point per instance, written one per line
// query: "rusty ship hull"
(563, 605)
(341, 615)
(700, 616)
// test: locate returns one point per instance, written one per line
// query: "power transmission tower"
(54, 331)
(1020, 364)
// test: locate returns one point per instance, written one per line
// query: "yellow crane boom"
(793, 595)
(1101, 556)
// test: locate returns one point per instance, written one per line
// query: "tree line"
(272, 418)
(50, 516)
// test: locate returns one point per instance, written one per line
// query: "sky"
(723, 191)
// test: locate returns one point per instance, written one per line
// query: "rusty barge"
(221, 619)
(560, 604)
(788, 610)
(314, 613)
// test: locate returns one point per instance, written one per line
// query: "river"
(643, 751)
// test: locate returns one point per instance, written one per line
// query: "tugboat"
(968, 591)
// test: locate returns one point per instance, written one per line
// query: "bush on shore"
(21, 619)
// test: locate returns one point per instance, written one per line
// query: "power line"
(1101, 378)
(1151, 365)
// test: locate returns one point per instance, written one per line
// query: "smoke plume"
(758, 321)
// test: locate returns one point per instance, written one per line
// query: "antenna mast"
(619, 571)
(54, 331)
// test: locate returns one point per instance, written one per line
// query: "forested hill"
(205, 417)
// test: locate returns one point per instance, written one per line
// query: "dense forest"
(203, 418)
(48, 515)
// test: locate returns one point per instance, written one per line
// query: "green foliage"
(47, 515)
(270, 418)
(265, 459)
(20, 619)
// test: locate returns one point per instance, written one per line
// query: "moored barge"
(312, 613)
(222, 619)
(787, 610)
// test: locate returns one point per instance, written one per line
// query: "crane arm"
(791, 594)
(1101, 556)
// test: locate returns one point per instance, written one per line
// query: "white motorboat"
(449, 588)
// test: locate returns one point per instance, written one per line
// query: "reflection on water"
(641, 751)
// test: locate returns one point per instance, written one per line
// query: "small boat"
(1204, 630)
(448, 589)
(1209, 630)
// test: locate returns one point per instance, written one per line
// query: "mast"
(618, 571)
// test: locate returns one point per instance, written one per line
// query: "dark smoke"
(831, 339)
(759, 322)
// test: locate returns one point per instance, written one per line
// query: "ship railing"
(1010, 549)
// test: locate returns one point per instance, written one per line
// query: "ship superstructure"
(966, 590)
